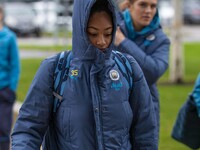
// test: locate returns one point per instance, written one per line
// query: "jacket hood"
(4, 31)
(81, 46)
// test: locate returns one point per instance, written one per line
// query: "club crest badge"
(114, 75)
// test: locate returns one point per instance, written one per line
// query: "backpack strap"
(125, 67)
(60, 77)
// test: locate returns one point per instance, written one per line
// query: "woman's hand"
(123, 5)
(119, 37)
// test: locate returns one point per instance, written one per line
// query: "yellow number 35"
(74, 72)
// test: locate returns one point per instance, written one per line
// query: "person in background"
(186, 128)
(140, 35)
(196, 94)
(9, 76)
(98, 109)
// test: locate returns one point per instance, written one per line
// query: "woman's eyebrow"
(92, 27)
(98, 29)
(109, 28)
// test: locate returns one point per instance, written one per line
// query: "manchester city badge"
(114, 75)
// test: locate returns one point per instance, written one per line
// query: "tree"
(177, 55)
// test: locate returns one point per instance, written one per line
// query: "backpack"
(62, 69)
(60, 78)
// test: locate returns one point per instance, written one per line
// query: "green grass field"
(28, 70)
(171, 96)
(171, 99)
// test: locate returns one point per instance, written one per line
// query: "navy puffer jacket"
(94, 114)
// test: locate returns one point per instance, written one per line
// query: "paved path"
(17, 106)
(36, 54)
(42, 41)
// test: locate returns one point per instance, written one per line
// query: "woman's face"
(100, 29)
(142, 12)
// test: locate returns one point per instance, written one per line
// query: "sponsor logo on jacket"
(73, 74)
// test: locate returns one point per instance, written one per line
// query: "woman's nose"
(101, 41)
(148, 9)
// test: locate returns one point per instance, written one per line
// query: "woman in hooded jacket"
(98, 111)
(140, 35)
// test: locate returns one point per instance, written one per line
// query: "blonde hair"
(1, 12)
(1, 9)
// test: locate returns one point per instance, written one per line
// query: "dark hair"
(99, 6)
